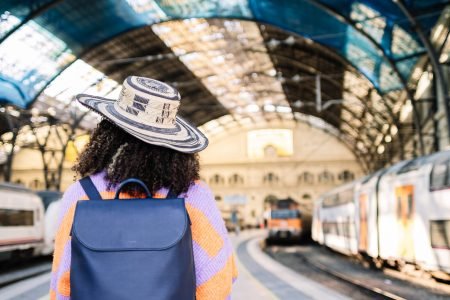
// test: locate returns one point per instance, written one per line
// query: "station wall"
(237, 178)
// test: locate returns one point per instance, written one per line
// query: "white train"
(27, 222)
(397, 215)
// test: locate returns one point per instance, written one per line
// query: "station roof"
(239, 57)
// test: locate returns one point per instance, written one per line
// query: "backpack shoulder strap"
(90, 189)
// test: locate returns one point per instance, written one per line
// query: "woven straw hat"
(147, 109)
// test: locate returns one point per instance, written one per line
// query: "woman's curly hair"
(123, 156)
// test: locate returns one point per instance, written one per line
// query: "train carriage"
(21, 221)
(338, 219)
(439, 215)
(399, 215)
(286, 223)
(316, 227)
(388, 231)
(366, 214)
(415, 213)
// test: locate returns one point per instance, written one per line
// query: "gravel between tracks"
(13, 272)
(297, 257)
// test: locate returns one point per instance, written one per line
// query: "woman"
(142, 137)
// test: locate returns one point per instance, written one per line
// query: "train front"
(285, 225)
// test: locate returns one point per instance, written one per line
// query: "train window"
(330, 201)
(410, 206)
(285, 214)
(16, 217)
(440, 234)
(411, 166)
(440, 175)
(448, 172)
(343, 229)
(345, 197)
(399, 208)
(342, 198)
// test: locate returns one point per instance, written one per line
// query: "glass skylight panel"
(378, 103)
(80, 77)
(224, 54)
(226, 119)
(245, 121)
(388, 78)
(445, 56)
(7, 22)
(347, 116)
(349, 130)
(31, 56)
(148, 9)
(368, 20)
(403, 43)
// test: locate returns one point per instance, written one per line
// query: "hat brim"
(183, 137)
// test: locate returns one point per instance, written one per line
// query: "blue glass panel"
(13, 13)
(12, 93)
(79, 25)
(302, 18)
(205, 9)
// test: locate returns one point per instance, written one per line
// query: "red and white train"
(397, 215)
(27, 221)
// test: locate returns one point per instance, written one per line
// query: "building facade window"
(271, 178)
(346, 176)
(216, 179)
(326, 177)
(36, 184)
(306, 178)
(236, 179)
(270, 151)
(306, 197)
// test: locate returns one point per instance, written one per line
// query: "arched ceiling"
(359, 55)
(374, 36)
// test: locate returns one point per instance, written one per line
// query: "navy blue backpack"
(131, 249)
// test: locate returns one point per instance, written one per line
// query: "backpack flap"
(133, 224)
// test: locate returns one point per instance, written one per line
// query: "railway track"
(352, 278)
(18, 273)
(374, 291)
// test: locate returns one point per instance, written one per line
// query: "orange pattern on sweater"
(215, 288)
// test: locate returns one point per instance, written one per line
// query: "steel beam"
(391, 62)
(441, 84)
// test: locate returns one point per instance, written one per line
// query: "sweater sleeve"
(60, 277)
(215, 266)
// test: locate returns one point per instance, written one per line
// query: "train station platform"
(261, 277)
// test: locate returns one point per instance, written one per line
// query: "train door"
(405, 220)
(363, 228)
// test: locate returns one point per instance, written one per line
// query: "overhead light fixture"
(269, 108)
